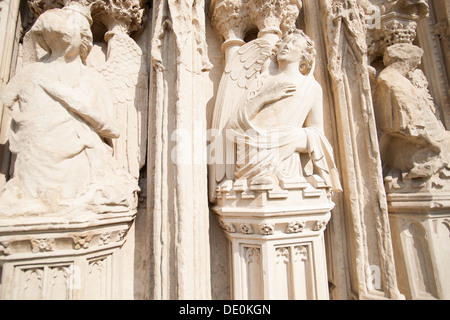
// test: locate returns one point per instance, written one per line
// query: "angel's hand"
(270, 94)
(278, 91)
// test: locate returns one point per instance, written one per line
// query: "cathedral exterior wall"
(224, 149)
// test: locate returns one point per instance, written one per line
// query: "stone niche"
(224, 149)
(272, 170)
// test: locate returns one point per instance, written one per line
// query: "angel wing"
(244, 66)
(126, 74)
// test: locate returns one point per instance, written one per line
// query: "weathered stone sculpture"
(414, 146)
(415, 141)
(70, 203)
(62, 128)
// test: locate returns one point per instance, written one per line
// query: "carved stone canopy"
(233, 19)
(398, 23)
(129, 14)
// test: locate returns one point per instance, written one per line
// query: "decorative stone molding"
(228, 227)
(246, 228)
(295, 227)
(301, 253)
(105, 238)
(320, 225)
(4, 250)
(420, 224)
(286, 226)
(82, 241)
(266, 228)
(70, 258)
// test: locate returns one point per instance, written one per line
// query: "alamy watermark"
(373, 19)
(374, 277)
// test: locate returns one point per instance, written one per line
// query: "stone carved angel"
(64, 120)
(268, 112)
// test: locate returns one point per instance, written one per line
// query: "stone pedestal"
(65, 258)
(420, 225)
(276, 239)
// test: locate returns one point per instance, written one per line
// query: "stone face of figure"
(291, 51)
(63, 119)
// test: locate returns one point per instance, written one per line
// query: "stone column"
(177, 177)
(9, 13)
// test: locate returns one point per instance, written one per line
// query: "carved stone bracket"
(269, 245)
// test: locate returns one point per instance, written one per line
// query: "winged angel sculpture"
(65, 120)
(269, 114)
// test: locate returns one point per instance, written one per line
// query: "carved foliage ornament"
(398, 23)
(129, 13)
(234, 18)
(82, 241)
(42, 245)
(295, 227)
(4, 249)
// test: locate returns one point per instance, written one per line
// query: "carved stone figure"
(63, 120)
(125, 71)
(415, 141)
(272, 110)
